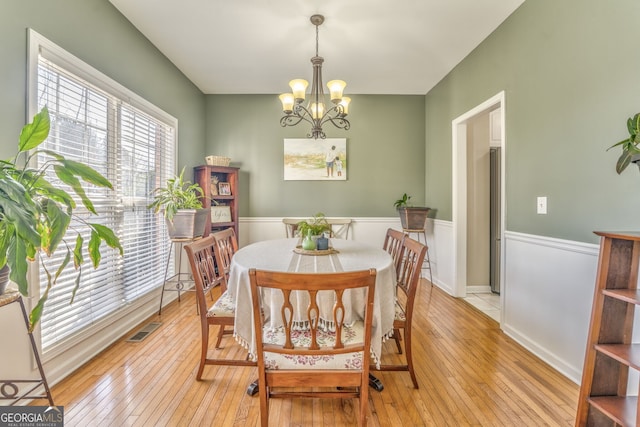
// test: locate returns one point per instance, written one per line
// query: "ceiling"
(256, 46)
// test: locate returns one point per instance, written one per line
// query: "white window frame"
(78, 67)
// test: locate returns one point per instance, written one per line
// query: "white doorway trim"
(459, 186)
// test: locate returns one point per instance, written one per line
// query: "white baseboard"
(479, 289)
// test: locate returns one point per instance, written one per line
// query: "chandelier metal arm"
(298, 114)
(338, 120)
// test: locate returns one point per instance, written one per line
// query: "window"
(96, 121)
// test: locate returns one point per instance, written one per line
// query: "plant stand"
(9, 389)
(177, 282)
(426, 264)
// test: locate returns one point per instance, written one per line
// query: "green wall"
(97, 33)
(385, 152)
(570, 71)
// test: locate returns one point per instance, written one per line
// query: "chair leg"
(203, 353)
(398, 338)
(408, 355)
(364, 401)
(264, 406)
(220, 334)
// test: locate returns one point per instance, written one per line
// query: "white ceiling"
(257, 46)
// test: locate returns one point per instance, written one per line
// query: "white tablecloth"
(278, 255)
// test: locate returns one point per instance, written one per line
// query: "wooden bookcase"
(210, 178)
(610, 353)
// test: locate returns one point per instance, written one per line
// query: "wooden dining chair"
(290, 226)
(317, 361)
(207, 275)
(408, 278)
(340, 227)
(393, 244)
(227, 246)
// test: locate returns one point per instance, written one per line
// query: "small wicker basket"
(217, 160)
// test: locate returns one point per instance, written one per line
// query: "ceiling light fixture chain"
(315, 112)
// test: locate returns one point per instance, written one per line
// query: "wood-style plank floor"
(470, 374)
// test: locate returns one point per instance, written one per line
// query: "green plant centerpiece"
(182, 206)
(411, 217)
(630, 150)
(317, 225)
(35, 214)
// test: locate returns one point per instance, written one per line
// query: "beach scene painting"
(308, 159)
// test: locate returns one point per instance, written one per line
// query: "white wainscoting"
(549, 287)
(547, 292)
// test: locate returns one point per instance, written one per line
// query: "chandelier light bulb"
(317, 110)
(344, 102)
(336, 87)
(298, 87)
(287, 100)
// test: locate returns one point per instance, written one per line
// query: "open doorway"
(478, 204)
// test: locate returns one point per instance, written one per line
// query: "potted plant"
(411, 217)
(318, 224)
(35, 214)
(630, 150)
(183, 212)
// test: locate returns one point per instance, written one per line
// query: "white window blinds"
(135, 150)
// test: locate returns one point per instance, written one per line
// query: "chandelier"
(315, 112)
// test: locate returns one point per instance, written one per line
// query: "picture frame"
(315, 160)
(220, 214)
(224, 189)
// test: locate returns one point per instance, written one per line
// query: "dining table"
(286, 255)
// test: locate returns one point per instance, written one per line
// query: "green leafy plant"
(402, 202)
(35, 214)
(318, 225)
(629, 145)
(178, 194)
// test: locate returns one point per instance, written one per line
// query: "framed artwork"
(224, 189)
(220, 214)
(308, 159)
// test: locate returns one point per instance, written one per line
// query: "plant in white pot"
(411, 217)
(183, 212)
(35, 214)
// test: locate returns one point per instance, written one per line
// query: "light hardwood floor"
(470, 373)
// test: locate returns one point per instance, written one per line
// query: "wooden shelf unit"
(203, 175)
(603, 397)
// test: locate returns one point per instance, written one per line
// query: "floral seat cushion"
(223, 307)
(301, 338)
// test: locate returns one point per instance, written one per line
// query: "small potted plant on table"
(312, 229)
(317, 225)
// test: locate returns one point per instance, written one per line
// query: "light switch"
(542, 205)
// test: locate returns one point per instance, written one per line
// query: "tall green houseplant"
(35, 215)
